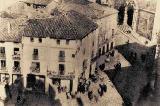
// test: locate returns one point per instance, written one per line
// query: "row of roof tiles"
(67, 25)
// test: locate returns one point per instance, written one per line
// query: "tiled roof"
(68, 25)
(9, 29)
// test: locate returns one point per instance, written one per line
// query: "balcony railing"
(16, 56)
(2, 55)
(35, 70)
(16, 69)
(35, 57)
(61, 59)
(3, 68)
(51, 74)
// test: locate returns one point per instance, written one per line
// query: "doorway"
(71, 85)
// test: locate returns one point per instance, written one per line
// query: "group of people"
(83, 85)
(101, 90)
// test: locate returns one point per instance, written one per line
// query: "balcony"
(61, 59)
(2, 55)
(51, 74)
(16, 69)
(35, 57)
(3, 69)
(35, 69)
(16, 56)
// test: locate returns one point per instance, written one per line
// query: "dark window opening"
(35, 52)
(40, 40)
(58, 41)
(2, 50)
(61, 53)
(73, 55)
(61, 69)
(16, 50)
(32, 39)
(67, 42)
(121, 14)
(16, 64)
(113, 32)
(3, 63)
(61, 56)
(130, 12)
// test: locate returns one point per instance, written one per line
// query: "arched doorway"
(130, 12)
(121, 14)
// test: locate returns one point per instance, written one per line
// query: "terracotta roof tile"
(70, 25)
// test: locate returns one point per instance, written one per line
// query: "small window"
(2, 50)
(40, 40)
(61, 53)
(58, 42)
(32, 39)
(61, 69)
(16, 50)
(67, 42)
(73, 55)
(35, 67)
(16, 64)
(35, 52)
(112, 32)
(3, 63)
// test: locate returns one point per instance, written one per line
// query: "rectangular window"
(61, 53)
(61, 69)
(58, 42)
(35, 52)
(61, 56)
(2, 50)
(35, 67)
(40, 40)
(3, 64)
(67, 42)
(16, 64)
(16, 50)
(73, 55)
(32, 39)
(112, 32)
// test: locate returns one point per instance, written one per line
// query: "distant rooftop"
(89, 9)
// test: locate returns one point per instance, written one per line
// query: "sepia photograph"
(79, 52)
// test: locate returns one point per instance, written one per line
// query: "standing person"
(90, 95)
(8, 90)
